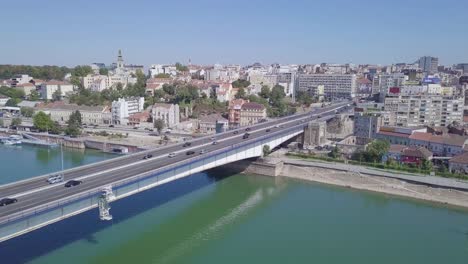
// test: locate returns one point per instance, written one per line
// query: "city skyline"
(208, 32)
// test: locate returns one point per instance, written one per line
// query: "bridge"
(40, 203)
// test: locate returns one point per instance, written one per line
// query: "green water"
(22, 162)
(253, 219)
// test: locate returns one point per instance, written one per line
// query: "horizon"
(209, 32)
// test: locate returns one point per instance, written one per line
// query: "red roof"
(393, 134)
(253, 106)
(451, 139)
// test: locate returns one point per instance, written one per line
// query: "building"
(429, 110)
(447, 145)
(209, 124)
(47, 89)
(459, 163)
(408, 155)
(139, 118)
(428, 64)
(335, 85)
(234, 116)
(169, 113)
(124, 107)
(20, 79)
(26, 88)
(3, 99)
(252, 113)
(60, 112)
(367, 124)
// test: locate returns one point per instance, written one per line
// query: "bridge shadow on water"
(83, 226)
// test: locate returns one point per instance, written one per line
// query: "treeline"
(37, 72)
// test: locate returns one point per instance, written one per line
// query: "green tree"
(103, 71)
(162, 75)
(169, 89)
(34, 96)
(16, 122)
(375, 150)
(82, 71)
(304, 98)
(57, 95)
(426, 165)
(181, 68)
(239, 83)
(265, 92)
(266, 150)
(12, 102)
(43, 122)
(277, 94)
(2, 123)
(27, 111)
(241, 93)
(335, 153)
(159, 125)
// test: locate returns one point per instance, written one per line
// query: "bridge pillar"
(314, 134)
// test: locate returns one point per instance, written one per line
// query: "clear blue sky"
(62, 32)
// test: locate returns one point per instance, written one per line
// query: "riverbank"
(376, 183)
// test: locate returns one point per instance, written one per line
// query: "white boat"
(11, 142)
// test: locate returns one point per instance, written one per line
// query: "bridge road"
(58, 191)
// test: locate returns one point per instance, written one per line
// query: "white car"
(171, 155)
(55, 179)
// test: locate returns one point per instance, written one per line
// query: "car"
(319, 116)
(246, 135)
(247, 129)
(187, 144)
(268, 130)
(55, 178)
(146, 128)
(7, 201)
(135, 127)
(147, 156)
(72, 183)
(109, 126)
(214, 143)
(213, 138)
(276, 126)
(202, 151)
(236, 132)
(167, 132)
(281, 126)
(151, 130)
(190, 152)
(171, 155)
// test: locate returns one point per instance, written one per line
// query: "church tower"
(120, 62)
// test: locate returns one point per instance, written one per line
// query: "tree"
(241, 93)
(1, 123)
(34, 96)
(82, 71)
(74, 124)
(16, 122)
(304, 98)
(266, 150)
(335, 153)
(103, 71)
(277, 94)
(375, 150)
(240, 83)
(159, 125)
(12, 102)
(426, 165)
(265, 91)
(169, 89)
(57, 95)
(27, 111)
(43, 122)
(180, 67)
(162, 75)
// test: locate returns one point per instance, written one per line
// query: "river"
(216, 217)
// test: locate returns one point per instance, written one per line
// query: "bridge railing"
(42, 209)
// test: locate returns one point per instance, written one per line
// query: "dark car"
(187, 144)
(236, 132)
(246, 135)
(7, 201)
(72, 183)
(190, 152)
(147, 156)
(111, 125)
(247, 129)
(268, 130)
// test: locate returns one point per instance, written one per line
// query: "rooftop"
(254, 106)
(60, 105)
(450, 139)
(462, 158)
(213, 118)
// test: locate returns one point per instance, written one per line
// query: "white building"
(124, 107)
(60, 112)
(335, 85)
(3, 99)
(156, 69)
(169, 113)
(20, 79)
(47, 89)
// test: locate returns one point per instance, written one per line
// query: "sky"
(69, 33)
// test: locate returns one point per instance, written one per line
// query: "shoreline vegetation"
(378, 184)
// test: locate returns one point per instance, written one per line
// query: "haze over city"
(233, 32)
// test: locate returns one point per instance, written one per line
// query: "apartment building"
(335, 85)
(169, 113)
(252, 113)
(124, 107)
(425, 110)
(47, 89)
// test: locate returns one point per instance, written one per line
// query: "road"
(37, 191)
